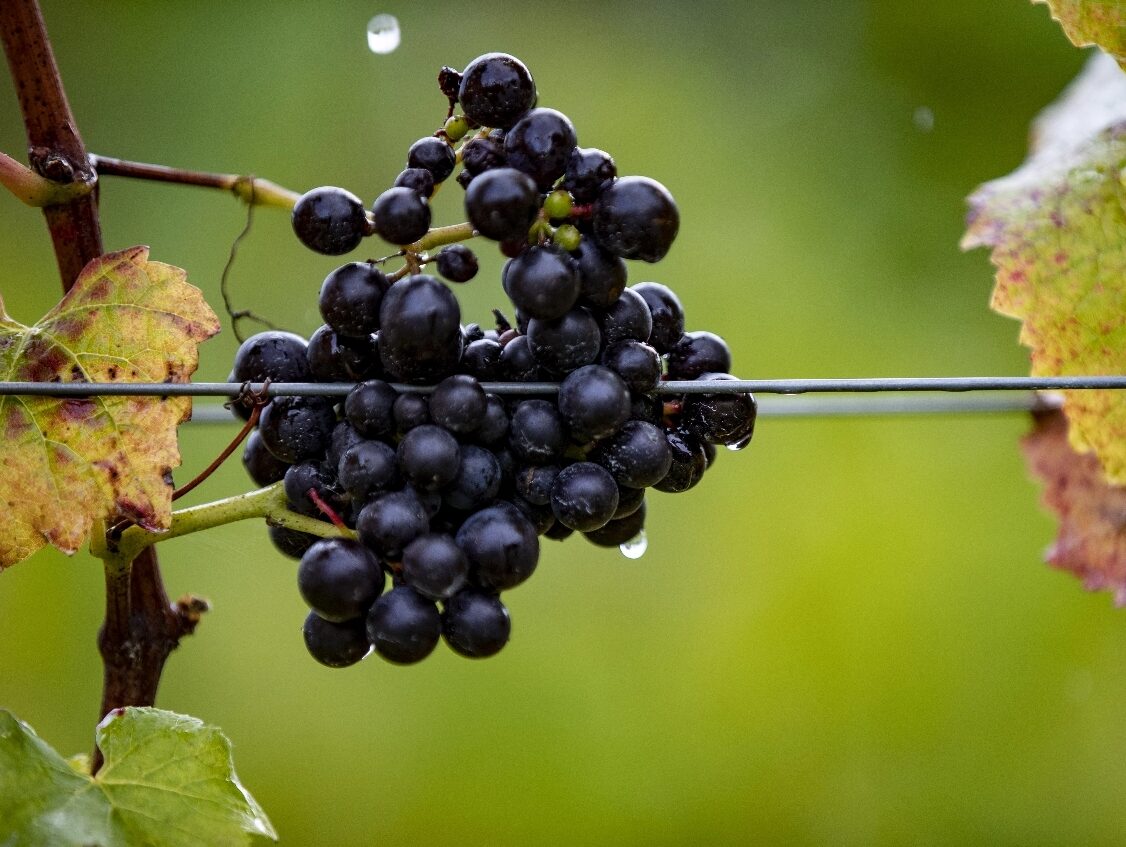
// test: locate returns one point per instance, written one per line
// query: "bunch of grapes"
(448, 489)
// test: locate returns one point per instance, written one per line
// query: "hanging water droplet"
(383, 34)
(736, 446)
(635, 548)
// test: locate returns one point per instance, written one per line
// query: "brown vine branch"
(249, 189)
(141, 627)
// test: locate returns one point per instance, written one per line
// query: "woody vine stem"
(141, 626)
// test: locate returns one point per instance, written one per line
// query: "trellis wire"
(905, 395)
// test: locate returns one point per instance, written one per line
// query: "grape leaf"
(1057, 226)
(65, 463)
(1092, 512)
(1087, 22)
(167, 781)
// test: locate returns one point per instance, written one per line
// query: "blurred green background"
(846, 635)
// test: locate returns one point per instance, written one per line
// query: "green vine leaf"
(167, 781)
(1057, 228)
(1087, 22)
(1092, 512)
(65, 463)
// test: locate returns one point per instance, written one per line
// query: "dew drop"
(923, 118)
(736, 446)
(635, 548)
(383, 34)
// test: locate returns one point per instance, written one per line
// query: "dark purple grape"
(565, 343)
(536, 432)
(368, 469)
(502, 203)
(540, 144)
(434, 155)
(494, 428)
(329, 220)
(343, 437)
(334, 358)
(534, 482)
(475, 623)
(638, 364)
(274, 355)
(501, 545)
(496, 89)
(457, 263)
(403, 626)
(558, 532)
(588, 170)
(618, 531)
(602, 275)
(629, 501)
(584, 496)
(290, 542)
(541, 517)
(477, 482)
(335, 645)
(262, 466)
(636, 218)
(698, 353)
(458, 404)
(627, 319)
(297, 428)
(517, 363)
(434, 566)
(401, 215)
(302, 477)
(410, 410)
(482, 359)
(482, 154)
(648, 408)
(637, 455)
(339, 579)
(368, 408)
(419, 180)
(391, 522)
(667, 314)
(350, 297)
(594, 402)
(542, 282)
(720, 418)
(420, 336)
(688, 463)
(429, 457)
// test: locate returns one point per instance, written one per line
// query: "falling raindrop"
(383, 34)
(635, 548)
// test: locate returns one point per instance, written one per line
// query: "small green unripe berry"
(539, 231)
(456, 127)
(568, 237)
(557, 204)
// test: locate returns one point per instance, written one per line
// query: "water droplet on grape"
(383, 34)
(736, 446)
(635, 548)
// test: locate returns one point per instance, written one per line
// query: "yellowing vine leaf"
(65, 463)
(1087, 22)
(1057, 226)
(1092, 512)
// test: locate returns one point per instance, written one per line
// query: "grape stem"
(268, 503)
(250, 189)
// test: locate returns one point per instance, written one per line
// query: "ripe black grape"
(391, 522)
(637, 455)
(477, 480)
(619, 530)
(458, 404)
(367, 469)
(420, 330)
(588, 170)
(698, 353)
(565, 343)
(626, 319)
(369, 408)
(401, 215)
(475, 623)
(339, 578)
(417, 179)
(594, 401)
(602, 275)
(502, 203)
(584, 496)
(496, 90)
(434, 155)
(429, 457)
(540, 144)
(501, 545)
(639, 365)
(457, 263)
(350, 298)
(542, 282)
(636, 218)
(262, 466)
(667, 315)
(297, 428)
(329, 220)
(335, 645)
(434, 566)
(403, 626)
(536, 432)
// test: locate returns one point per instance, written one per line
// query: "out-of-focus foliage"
(845, 636)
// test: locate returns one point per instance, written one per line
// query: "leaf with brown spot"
(66, 462)
(1092, 512)
(1057, 226)
(1087, 22)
